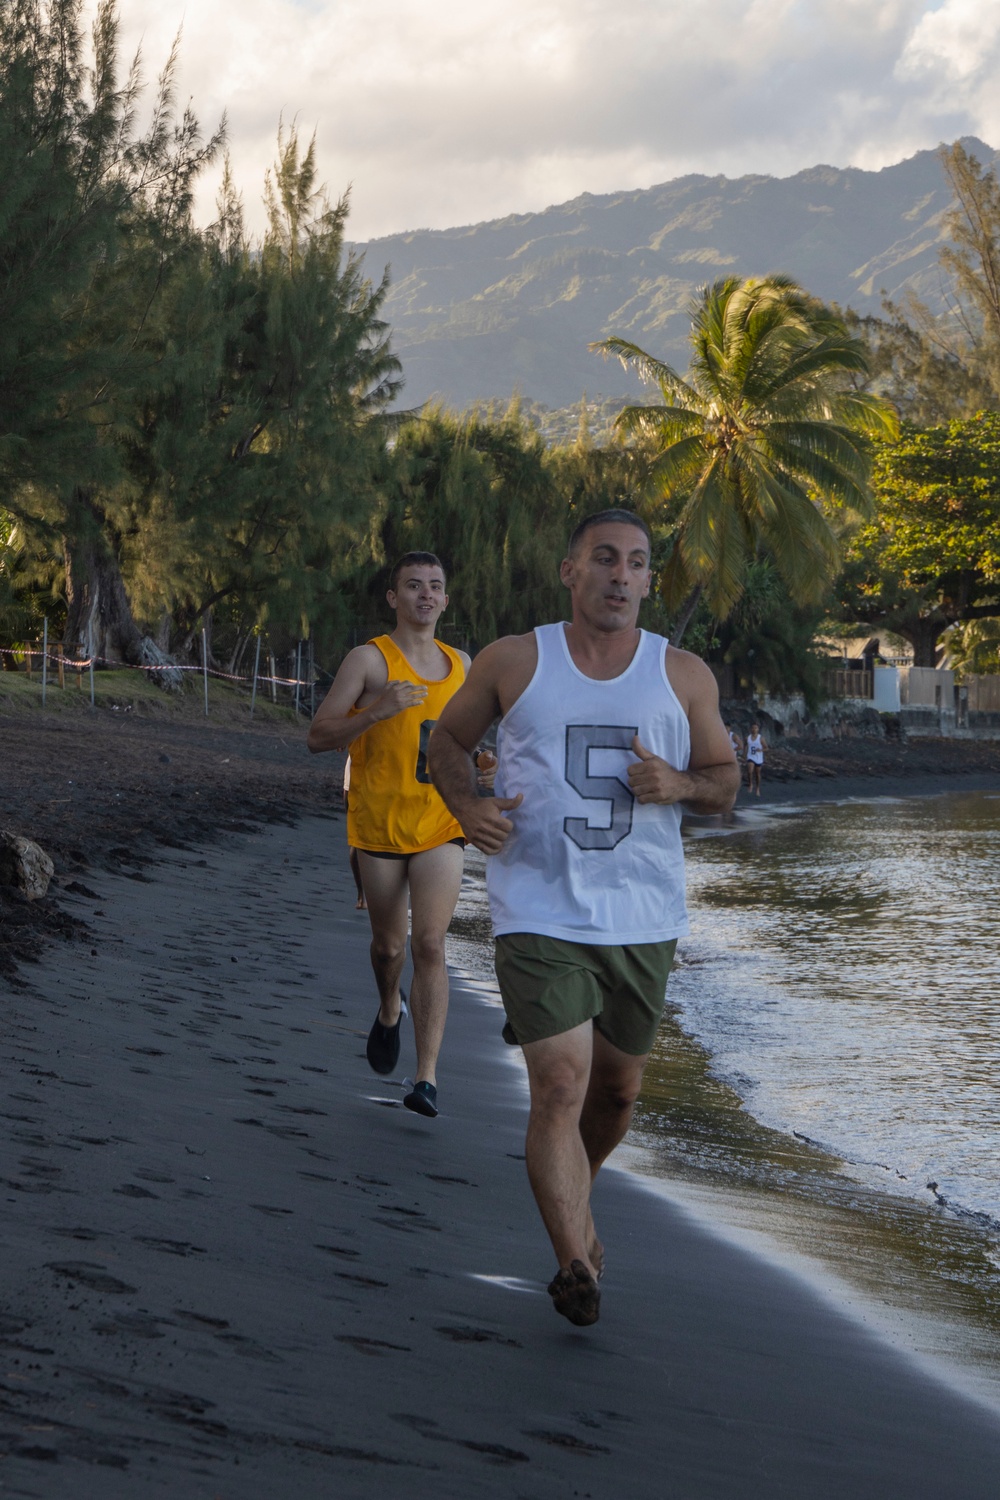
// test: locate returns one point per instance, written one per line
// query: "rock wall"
(838, 718)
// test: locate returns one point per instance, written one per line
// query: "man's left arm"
(712, 778)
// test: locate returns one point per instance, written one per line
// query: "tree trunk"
(923, 634)
(684, 618)
(162, 636)
(99, 620)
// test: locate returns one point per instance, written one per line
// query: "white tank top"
(755, 749)
(586, 862)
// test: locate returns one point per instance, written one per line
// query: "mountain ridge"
(482, 310)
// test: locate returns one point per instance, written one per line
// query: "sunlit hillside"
(512, 304)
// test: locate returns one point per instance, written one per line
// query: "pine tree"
(92, 216)
(265, 430)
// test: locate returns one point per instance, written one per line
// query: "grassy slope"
(127, 691)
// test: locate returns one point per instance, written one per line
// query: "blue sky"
(441, 113)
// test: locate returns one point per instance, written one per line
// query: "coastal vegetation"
(767, 430)
(190, 418)
(198, 441)
(928, 558)
(939, 365)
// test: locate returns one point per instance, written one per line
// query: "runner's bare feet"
(575, 1294)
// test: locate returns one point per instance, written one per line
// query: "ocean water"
(830, 1052)
(844, 974)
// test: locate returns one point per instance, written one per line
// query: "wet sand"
(235, 1266)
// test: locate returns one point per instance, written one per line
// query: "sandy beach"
(235, 1266)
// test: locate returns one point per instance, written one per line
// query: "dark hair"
(408, 559)
(600, 518)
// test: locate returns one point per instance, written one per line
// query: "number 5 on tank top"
(581, 739)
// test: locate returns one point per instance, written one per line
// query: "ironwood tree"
(190, 421)
(938, 366)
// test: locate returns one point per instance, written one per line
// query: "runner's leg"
(435, 881)
(385, 888)
(558, 1166)
(615, 1081)
(352, 857)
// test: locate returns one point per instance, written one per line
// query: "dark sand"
(234, 1265)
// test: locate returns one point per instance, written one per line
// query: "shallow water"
(844, 973)
(831, 1042)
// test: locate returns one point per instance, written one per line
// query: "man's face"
(608, 576)
(419, 597)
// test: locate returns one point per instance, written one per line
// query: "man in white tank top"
(605, 732)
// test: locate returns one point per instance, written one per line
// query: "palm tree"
(767, 427)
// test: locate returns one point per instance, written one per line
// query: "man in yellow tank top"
(384, 703)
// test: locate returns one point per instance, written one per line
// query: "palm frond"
(646, 367)
(815, 361)
(675, 583)
(867, 413)
(752, 479)
(825, 476)
(804, 548)
(792, 442)
(713, 541)
(662, 423)
(677, 468)
(718, 531)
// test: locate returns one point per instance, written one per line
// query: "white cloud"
(953, 57)
(446, 113)
(957, 43)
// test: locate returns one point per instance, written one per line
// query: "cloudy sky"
(441, 113)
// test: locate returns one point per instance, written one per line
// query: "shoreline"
(866, 788)
(927, 1329)
(924, 1271)
(919, 1319)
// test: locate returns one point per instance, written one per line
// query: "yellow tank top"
(393, 807)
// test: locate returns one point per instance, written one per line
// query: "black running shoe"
(422, 1100)
(382, 1050)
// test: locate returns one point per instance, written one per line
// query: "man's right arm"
(464, 720)
(335, 725)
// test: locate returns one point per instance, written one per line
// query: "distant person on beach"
(383, 703)
(605, 731)
(755, 757)
(352, 854)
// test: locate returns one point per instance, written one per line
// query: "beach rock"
(25, 865)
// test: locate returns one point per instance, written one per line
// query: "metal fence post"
(204, 666)
(45, 657)
(256, 669)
